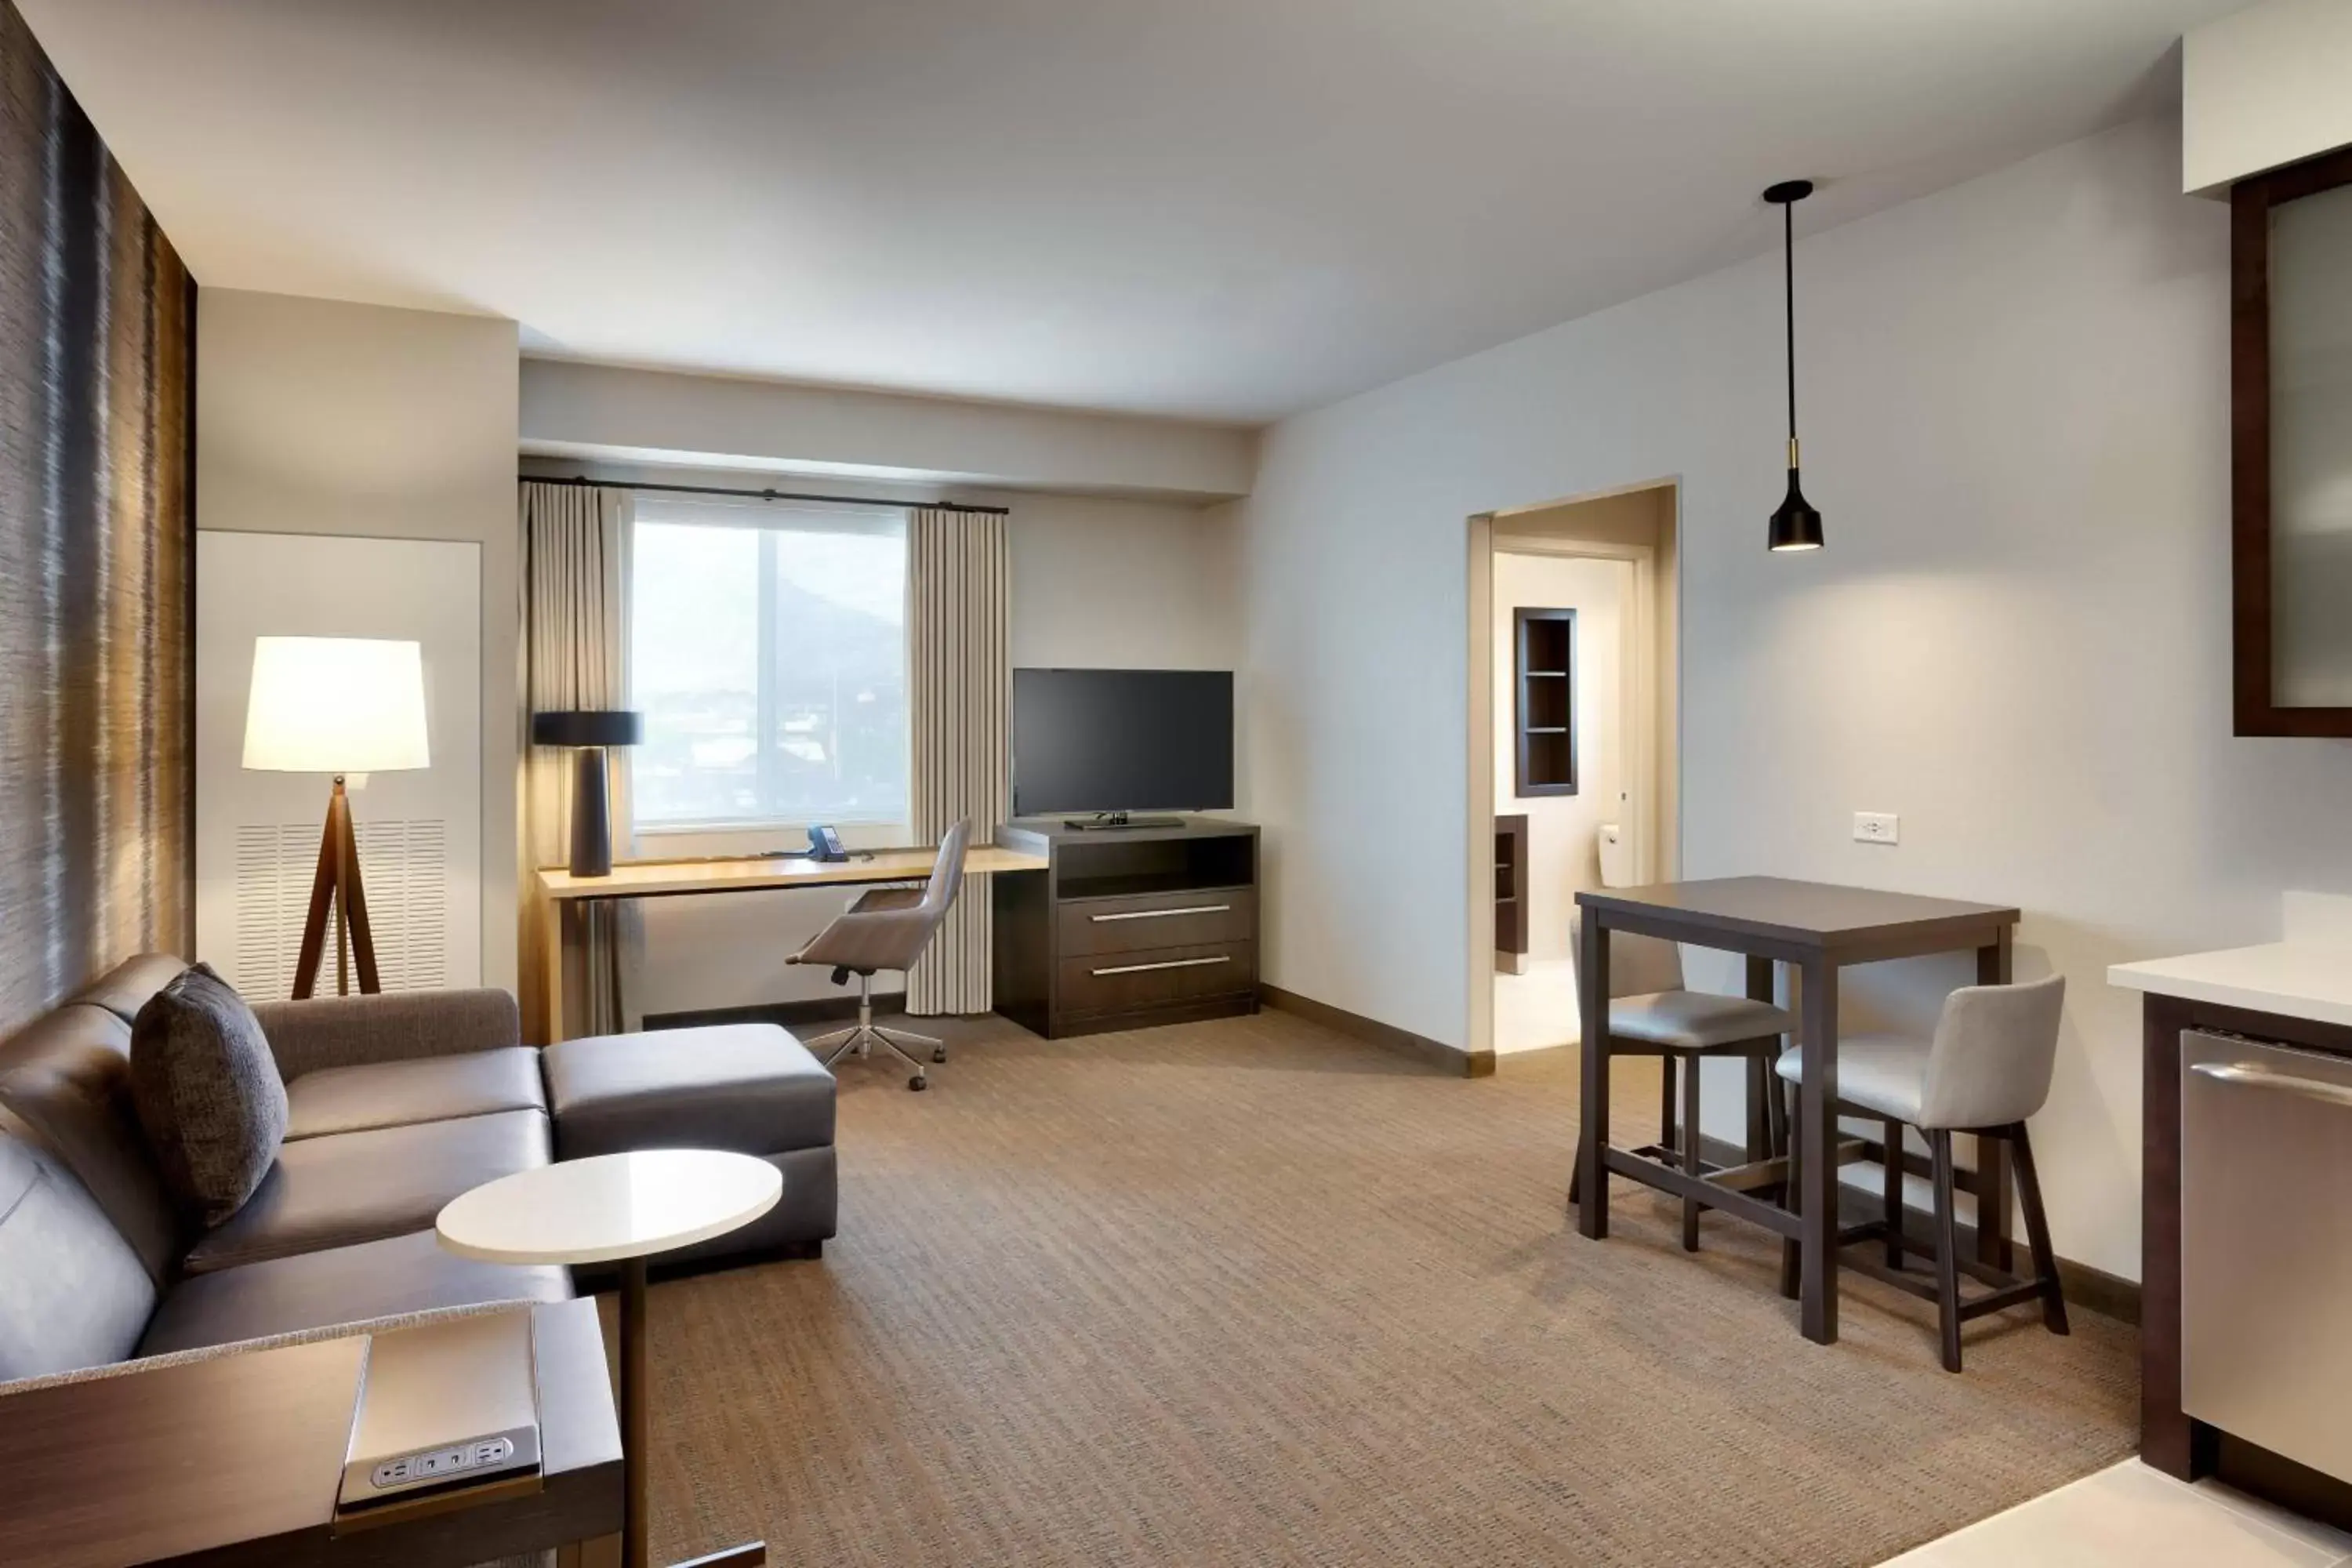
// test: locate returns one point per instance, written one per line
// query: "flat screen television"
(1122, 739)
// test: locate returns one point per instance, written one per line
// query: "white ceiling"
(1219, 209)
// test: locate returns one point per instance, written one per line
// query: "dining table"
(1816, 929)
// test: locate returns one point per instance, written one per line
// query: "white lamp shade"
(336, 705)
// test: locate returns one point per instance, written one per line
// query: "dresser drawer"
(1114, 982)
(1151, 921)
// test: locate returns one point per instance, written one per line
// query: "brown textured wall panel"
(96, 332)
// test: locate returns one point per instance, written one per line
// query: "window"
(768, 653)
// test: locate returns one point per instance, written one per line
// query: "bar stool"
(1652, 1014)
(1985, 1072)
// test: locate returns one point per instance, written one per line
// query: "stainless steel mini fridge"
(2266, 1245)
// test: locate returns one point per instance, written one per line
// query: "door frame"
(1657, 843)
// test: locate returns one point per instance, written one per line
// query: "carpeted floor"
(1249, 1292)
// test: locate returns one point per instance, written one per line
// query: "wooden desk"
(750, 873)
(236, 1462)
(1817, 929)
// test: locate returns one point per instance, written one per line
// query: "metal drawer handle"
(1163, 914)
(1165, 964)
(2285, 1083)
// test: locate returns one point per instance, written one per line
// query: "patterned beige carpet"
(1248, 1292)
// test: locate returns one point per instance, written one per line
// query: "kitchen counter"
(2310, 980)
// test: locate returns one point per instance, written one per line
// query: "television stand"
(1118, 821)
(1124, 929)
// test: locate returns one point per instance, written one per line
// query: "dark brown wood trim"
(1450, 1059)
(2254, 710)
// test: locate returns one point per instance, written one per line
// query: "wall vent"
(405, 868)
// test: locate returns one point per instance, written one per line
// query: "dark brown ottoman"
(750, 1088)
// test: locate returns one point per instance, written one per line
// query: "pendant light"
(1796, 526)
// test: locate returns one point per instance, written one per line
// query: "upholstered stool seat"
(1695, 1020)
(1881, 1074)
(748, 1088)
(1653, 1013)
(1986, 1071)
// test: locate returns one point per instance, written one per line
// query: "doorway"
(1574, 763)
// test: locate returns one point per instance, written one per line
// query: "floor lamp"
(349, 707)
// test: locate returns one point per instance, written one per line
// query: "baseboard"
(2093, 1289)
(815, 1010)
(1451, 1060)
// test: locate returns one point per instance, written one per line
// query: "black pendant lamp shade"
(1796, 526)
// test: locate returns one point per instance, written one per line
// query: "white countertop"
(2295, 979)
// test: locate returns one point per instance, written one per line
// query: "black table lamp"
(589, 731)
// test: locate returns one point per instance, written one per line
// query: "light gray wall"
(318, 418)
(620, 415)
(2016, 421)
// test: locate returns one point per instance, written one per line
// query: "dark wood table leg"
(1993, 1246)
(1817, 1306)
(637, 1434)
(1760, 1076)
(634, 1433)
(1592, 1179)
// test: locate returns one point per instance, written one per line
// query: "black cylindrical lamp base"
(591, 814)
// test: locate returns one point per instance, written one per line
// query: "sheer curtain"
(575, 551)
(960, 696)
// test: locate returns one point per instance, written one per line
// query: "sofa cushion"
(400, 1094)
(127, 987)
(67, 1074)
(208, 1092)
(73, 1293)
(348, 1187)
(372, 1279)
(748, 1088)
(323, 1032)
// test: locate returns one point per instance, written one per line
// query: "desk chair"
(1652, 1014)
(886, 929)
(1986, 1071)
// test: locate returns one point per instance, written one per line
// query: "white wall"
(326, 419)
(2016, 421)
(617, 414)
(1562, 829)
(2264, 87)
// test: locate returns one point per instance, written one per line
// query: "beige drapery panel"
(959, 697)
(574, 580)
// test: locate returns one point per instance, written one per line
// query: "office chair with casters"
(886, 929)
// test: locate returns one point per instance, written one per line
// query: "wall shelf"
(1544, 715)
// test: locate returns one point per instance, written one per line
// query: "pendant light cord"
(1788, 277)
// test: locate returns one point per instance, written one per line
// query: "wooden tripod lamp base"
(336, 894)
(342, 706)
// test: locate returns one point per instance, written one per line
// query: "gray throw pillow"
(207, 1091)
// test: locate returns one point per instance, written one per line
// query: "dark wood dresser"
(1126, 927)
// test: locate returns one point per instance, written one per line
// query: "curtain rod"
(765, 494)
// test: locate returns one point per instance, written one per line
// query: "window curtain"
(960, 696)
(575, 551)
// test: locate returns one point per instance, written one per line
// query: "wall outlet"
(1876, 828)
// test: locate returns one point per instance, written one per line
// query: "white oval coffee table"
(618, 1208)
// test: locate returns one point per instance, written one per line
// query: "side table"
(619, 1208)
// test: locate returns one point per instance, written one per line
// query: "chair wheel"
(940, 1055)
(918, 1081)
